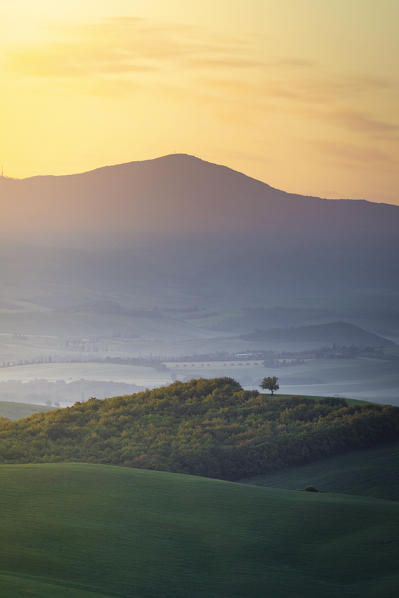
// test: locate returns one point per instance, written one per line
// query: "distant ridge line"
(192, 158)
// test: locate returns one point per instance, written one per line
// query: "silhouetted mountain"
(180, 195)
(180, 225)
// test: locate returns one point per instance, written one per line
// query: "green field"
(13, 410)
(89, 530)
(369, 472)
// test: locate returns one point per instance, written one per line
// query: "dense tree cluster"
(208, 427)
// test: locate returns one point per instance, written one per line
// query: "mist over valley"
(110, 274)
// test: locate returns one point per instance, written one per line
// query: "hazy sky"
(303, 94)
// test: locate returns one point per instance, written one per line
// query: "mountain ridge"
(190, 157)
(179, 194)
(183, 221)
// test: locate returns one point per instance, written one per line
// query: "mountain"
(180, 226)
(338, 333)
(181, 195)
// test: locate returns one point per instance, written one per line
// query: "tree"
(270, 383)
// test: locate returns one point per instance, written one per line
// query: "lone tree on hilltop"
(270, 383)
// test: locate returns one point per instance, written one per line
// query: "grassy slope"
(369, 472)
(88, 530)
(13, 410)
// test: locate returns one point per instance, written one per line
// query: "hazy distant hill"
(339, 333)
(180, 195)
(180, 226)
(13, 410)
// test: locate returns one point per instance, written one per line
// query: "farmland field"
(89, 530)
(143, 376)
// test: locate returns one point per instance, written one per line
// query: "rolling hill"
(87, 530)
(369, 472)
(205, 427)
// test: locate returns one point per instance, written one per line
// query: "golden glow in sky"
(302, 94)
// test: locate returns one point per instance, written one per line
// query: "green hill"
(206, 427)
(369, 472)
(12, 410)
(81, 530)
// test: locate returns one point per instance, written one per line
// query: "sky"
(302, 94)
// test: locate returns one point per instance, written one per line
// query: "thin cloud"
(113, 56)
(229, 63)
(312, 88)
(238, 62)
(130, 46)
(354, 154)
(122, 45)
(363, 123)
(294, 62)
(314, 96)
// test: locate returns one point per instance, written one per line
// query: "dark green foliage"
(207, 427)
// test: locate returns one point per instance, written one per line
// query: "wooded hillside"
(208, 427)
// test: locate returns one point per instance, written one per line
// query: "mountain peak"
(175, 161)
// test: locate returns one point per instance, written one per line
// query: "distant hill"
(94, 531)
(181, 225)
(181, 194)
(11, 410)
(206, 427)
(338, 333)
